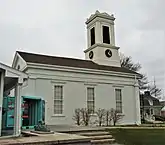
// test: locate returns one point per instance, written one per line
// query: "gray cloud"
(58, 28)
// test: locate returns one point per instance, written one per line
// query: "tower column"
(98, 34)
(112, 35)
(88, 38)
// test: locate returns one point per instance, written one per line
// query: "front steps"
(103, 141)
(97, 136)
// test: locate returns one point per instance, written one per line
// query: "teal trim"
(10, 105)
(27, 127)
(21, 111)
(32, 97)
(36, 111)
(4, 116)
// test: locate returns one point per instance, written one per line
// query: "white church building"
(98, 81)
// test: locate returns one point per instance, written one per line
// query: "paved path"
(65, 128)
(55, 138)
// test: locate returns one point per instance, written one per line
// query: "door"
(41, 110)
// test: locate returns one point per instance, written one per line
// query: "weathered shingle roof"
(70, 62)
(144, 100)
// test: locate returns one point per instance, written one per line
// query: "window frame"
(92, 41)
(59, 99)
(91, 100)
(103, 34)
(119, 101)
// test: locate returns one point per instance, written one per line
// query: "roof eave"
(29, 64)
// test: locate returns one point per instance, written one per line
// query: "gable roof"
(70, 62)
(11, 72)
(146, 97)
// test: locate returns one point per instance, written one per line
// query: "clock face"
(108, 53)
(91, 54)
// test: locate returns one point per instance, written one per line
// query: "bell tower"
(101, 47)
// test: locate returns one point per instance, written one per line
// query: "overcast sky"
(57, 27)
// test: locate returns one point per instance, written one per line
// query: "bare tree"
(86, 114)
(115, 116)
(108, 118)
(77, 116)
(156, 92)
(127, 62)
(143, 82)
(100, 114)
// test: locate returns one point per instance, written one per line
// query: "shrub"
(101, 116)
(77, 116)
(115, 116)
(86, 114)
(108, 117)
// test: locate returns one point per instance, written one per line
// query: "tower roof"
(101, 15)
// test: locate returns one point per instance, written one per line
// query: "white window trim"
(59, 84)
(89, 33)
(121, 88)
(107, 25)
(58, 115)
(91, 86)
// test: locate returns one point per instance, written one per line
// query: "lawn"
(139, 136)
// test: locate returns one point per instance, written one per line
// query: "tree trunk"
(100, 123)
(114, 123)
(86, 123)
(107, 119)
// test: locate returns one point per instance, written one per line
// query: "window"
(93, 36)
(106, 37)
(118, 100)
(148, 111)
(90, 100)
(58, 100)
(18, 67)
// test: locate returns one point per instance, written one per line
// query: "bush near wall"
(106, 117)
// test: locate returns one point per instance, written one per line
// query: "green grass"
(139, 136)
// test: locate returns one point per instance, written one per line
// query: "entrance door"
(34, 112)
